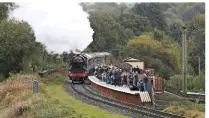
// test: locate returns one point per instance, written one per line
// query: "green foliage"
(164, 55)
(154, 13)
(178, 14)
(197, 43)
(18, 49)
(54, 79)
(194, 83)
(197, 83)
(189, 105)
(175, 82)
(17, 38)
(1, 77)
(113, 25)
(116, 24)
(190, 70)
(50, 111)
(5, 8)
(160, 68)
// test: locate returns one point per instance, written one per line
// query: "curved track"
(142, 111)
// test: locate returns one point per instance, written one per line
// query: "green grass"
(57, 92)
(185, 107)
(18, 101)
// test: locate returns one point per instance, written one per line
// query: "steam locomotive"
(81, 65)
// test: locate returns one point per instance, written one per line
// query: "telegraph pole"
(184, 59)
(199, 64)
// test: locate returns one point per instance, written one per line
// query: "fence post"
(35, 86)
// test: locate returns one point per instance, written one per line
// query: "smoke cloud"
(60, 26)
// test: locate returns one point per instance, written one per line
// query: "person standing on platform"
(112, 77)
(139, 83)
(153, 81)
(103, 76)
(145, 80)
(119, 77)
(115, 79)
(133, 70)
(108, 78)
(128, 78)
(123, 78)
(135, 79)
(137, 69)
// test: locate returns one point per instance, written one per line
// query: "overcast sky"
(60, 26)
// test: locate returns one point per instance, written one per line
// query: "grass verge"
(17, 100)
(185, 107)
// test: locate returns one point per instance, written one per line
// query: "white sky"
(60, 26)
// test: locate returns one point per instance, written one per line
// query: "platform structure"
(123, 94)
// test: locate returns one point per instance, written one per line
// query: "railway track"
(191, 97)
(142, 111)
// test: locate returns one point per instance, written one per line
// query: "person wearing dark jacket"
(108, 80)
(134, 69)
(115, 78)
(135, 79)
(137, 69)
(145, 81)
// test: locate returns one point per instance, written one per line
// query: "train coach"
(81, 65)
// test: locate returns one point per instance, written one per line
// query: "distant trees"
(149, 31)
(153, 11)
(196, 42)
(162, 55)
(19, 50)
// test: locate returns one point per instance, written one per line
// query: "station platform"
(120, 92)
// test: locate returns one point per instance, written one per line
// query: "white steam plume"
(60, 26)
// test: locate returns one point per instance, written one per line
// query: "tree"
(196, 39)
(179, 14)
(116, 26)
(165, 59)
(153, 11)
(5, 8)
(16, 40)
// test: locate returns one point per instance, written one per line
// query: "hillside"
(116, 25)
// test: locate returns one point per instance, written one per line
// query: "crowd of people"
(135, 78)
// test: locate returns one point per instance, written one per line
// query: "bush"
(162, 69)
(194, 83)
(189, 105)
(175, 82)
(55, 111)
(197, 83)
(1, 77)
